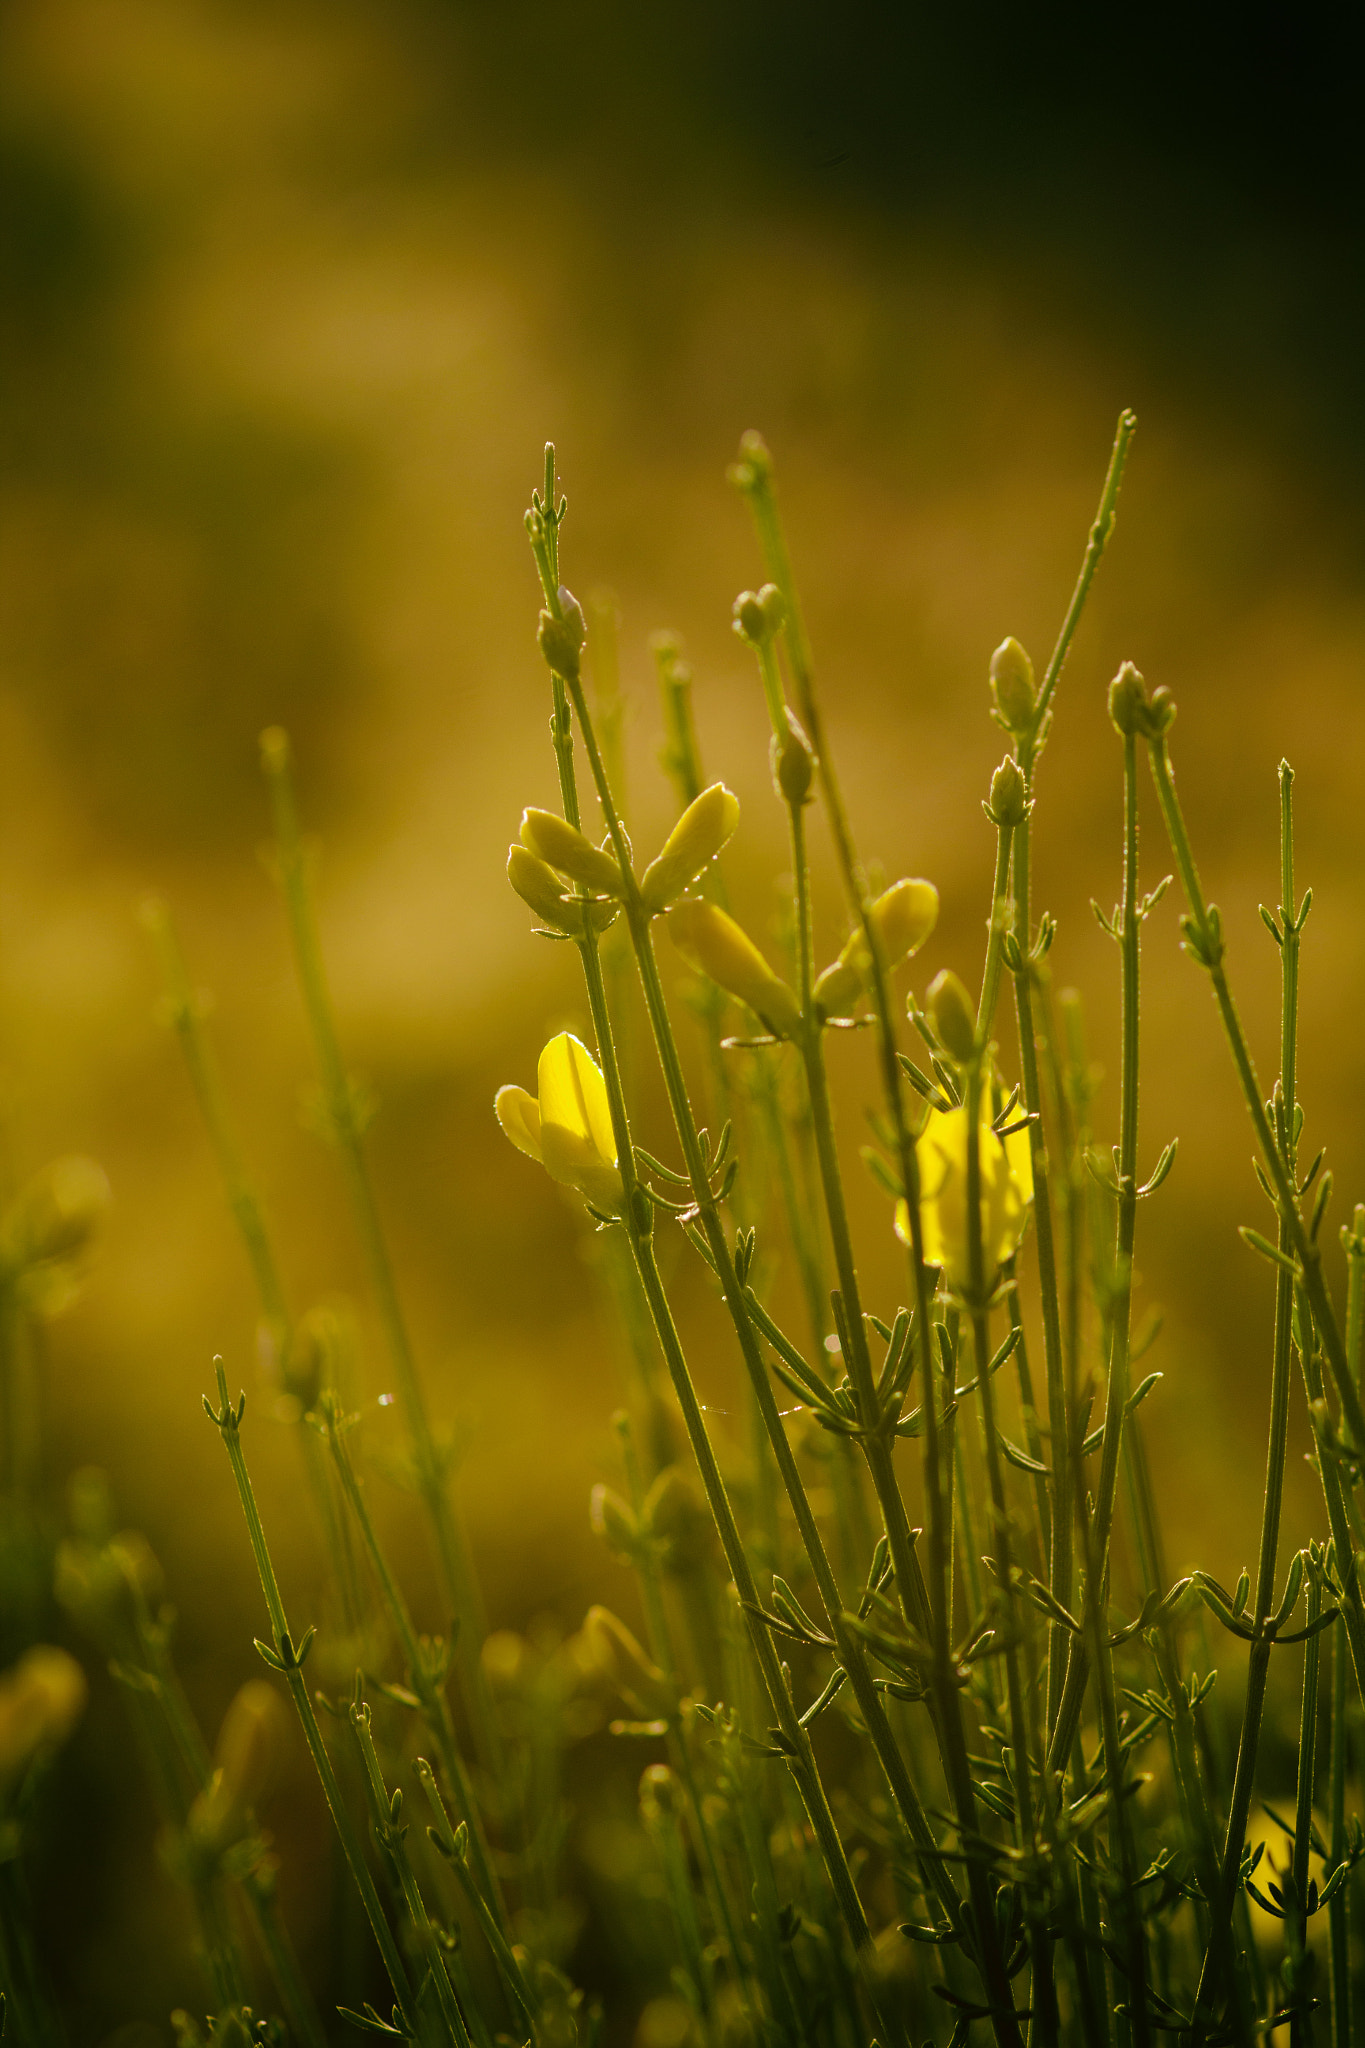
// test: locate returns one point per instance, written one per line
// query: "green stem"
(514, 1977)
(1338, 1908)
(228, 1421)
(1258, 1663)
(424, 1682)
(390, 1835)
(1206, 930)
(431, 1464)
(756, 477)
(1302, 1964)
(1100, 531)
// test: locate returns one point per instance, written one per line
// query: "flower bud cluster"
(759, 615)
(1134, 713)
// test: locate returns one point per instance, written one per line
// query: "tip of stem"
(274, 744)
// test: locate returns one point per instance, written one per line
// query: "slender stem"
(1099, 535)
(1258, 1663)
(1338, 1908)
(339, 1091)
(423, 1681)
(390, 1837)
(1206, 930)
(514, 1977)
(1060, 1391)
(1301, 1961)
(757, 480)
(228, 1420)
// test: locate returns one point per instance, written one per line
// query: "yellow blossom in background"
(566, 1126)
(1006, 1191)
(42, 1697)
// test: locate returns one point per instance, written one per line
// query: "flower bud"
(677, 1516)
(692, 845)
(1128, 705)
(560, 845)
(49, 1226)
(902, 918)
(561, 639)
(108, 1588)
(710, 940)
(715, 945)
(759, 614)
(613, 1654)
(310, 1363)
(954, 1019)
(1012, 686)
(793, 763)
(613, 1520)
(41, 1699)
(507, 1660)
(540, 889)
(754, 466)
(249, 1745)
(1009, 796)
(660, 1796)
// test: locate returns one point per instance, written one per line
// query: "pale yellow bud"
(902, 918)
(676, 1514)
(561, 845)
(41, 1699)
(311, 1362)
(542, 891)
(48, 1228)
(250, 1743)
(953, 1017)
(711, 941)
(692, 845)
(1012, 686)
(613, 1519)
(660, 1796)
(561, 639)
(507, 1660)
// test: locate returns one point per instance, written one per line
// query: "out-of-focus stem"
(431, 1464)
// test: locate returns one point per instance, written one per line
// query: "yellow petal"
(578, 1145)
(1019, 1152)
(519, 1115)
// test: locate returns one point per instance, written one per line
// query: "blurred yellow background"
(295, 296)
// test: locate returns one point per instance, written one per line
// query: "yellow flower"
(567, 1125)
(1006, 1191)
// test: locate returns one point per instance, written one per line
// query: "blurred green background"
(292, 294)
